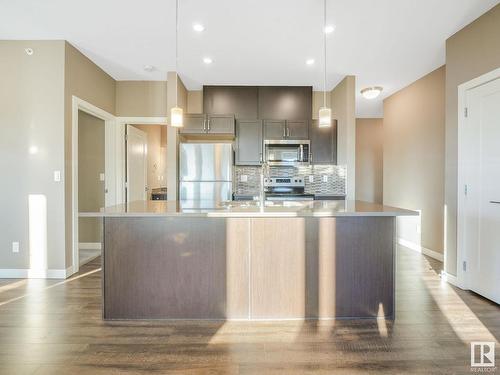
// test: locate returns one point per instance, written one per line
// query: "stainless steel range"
(286, 188)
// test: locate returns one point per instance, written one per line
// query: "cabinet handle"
(288, 132)
(284, 132)
(208, 125)
(495, 202)
(204, 124)
(310, 157)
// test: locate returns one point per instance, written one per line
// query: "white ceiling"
(389, 43)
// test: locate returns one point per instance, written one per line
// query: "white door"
(482, 158)
(137, 161)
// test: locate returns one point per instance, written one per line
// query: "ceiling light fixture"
(198, 27)
(325, 113)
(29, 51)
(371, 92)
(149, 68)
(328, 29)
(310, 61)
(207, 60)
(176, 113)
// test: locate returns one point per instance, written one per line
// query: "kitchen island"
(248, 260)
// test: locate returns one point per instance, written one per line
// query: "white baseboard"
(413, 246)
(89, 245)
(26, 273)
(452, 279)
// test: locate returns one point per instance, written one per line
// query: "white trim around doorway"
(81, 105)
(461, 277)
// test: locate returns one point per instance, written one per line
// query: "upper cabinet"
(208, 124)
(274, 129)
(285, 102)
(248, 144)
(193, 124)
(297, 129)
(323, 143)
(240, 100)
(284, 129)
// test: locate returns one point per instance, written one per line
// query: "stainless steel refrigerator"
(206, 172)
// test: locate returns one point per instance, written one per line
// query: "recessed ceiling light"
(149, 68)
(198, 27)
(207, 60)
(371, 92)
(329, 29)
(29, 51)
(310, 61)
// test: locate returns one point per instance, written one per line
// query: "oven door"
(284, 153)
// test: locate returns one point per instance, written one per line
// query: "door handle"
(495, 202)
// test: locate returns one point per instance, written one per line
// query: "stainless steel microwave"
(286, 152)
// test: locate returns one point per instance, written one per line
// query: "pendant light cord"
(324, 53)
(176, 48)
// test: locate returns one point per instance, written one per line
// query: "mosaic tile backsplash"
(336, 184)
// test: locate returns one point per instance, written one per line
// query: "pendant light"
(176, 113)
(325, 113)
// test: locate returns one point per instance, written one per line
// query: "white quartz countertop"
(318, 208)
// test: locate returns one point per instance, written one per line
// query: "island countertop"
(326, 208)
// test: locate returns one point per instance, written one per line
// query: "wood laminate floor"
(55, 327)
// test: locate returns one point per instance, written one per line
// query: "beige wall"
(87, 81)
(343, 109)
(471, 52)
(141, 98)
(195, 101)
(90, 166)
(31, 116)
(414, 120)
(157, 145)
(369, 159)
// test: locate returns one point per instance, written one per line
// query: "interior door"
(482, 155)
(137, 164)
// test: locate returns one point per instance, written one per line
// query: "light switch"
(325, 178)
(102, 177)
(243, 178)
(311, 179)
(15, 247)
(57, 176)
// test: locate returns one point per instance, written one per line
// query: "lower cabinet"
(248, 143)
(323, 143)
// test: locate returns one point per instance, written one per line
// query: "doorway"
(91, 184)
(479, 206)
(145, 162)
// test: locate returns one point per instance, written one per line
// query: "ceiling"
(389, 43)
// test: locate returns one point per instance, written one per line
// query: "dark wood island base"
(182, 267)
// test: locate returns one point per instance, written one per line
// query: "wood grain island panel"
(248, 268)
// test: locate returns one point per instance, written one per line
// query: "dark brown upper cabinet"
(323, 143)
(208, 124)
(248, 145)
(285, 102)
(286, 129)
(240, 100)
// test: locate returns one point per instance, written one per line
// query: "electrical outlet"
(311, 178)
(243, 178)
(102, 177)
(57, 176)
(15, 247)
(325, 178)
